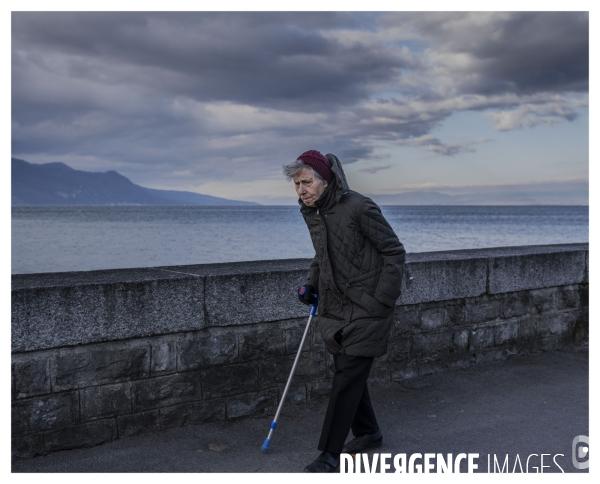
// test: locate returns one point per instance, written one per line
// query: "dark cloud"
(520, 52)
(171, 96)
(261, 58)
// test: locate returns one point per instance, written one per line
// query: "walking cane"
(313, 309)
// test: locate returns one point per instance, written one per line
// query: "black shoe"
(358, 444)
(324, 463)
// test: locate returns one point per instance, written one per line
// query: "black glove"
(307, 295)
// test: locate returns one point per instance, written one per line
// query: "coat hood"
(334, 192)
(336, 168)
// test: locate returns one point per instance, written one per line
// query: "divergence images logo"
(581, 452)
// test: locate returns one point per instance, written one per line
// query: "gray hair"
(292, 169)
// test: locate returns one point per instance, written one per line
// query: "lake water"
(57, 239)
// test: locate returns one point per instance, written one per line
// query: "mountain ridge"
(57, 183)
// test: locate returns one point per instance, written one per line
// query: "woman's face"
(308, 187)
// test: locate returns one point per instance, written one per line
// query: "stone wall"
(102, 355)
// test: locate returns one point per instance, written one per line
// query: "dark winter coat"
(357, 269)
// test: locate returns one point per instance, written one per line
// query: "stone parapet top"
(53, 310)
(489, 252)
(110, 276)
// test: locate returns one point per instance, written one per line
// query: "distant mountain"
(59, 184)
(544, 194)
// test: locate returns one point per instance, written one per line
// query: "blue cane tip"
(266, 445)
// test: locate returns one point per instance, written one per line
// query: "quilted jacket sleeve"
(313, 274)
(377, 229)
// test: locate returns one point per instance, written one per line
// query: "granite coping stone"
(537, 270)
(114, 276)
(54, 316)
(57, 309)
(489, 252)
(91, 278)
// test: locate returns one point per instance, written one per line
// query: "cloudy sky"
(216, 102)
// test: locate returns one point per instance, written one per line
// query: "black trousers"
(349, 403)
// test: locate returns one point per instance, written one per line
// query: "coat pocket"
(332, 306)
(328, 329)
(373, 306)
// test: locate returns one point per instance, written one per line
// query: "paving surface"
(534, 404)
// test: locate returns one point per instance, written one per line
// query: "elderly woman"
(357, 273)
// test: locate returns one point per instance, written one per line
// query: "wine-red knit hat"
(317, 162)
